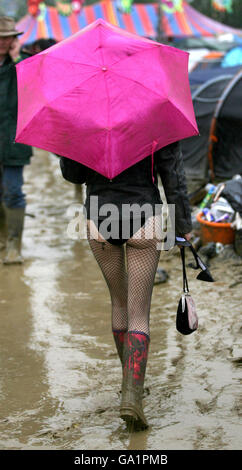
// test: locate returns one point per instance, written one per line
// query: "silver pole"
(160, 36)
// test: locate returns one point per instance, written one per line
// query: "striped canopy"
(143, 20)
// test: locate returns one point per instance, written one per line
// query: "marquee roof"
(143, 20)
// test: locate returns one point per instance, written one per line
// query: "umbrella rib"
(141, 84)
(182, 112)
(135, 53)
(169, 100)
(108, 107)
(57, 59)
(56, 98)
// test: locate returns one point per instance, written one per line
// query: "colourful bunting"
(171, 6)
(124, 5)
(77, 6)
(223, 5)
(42, 12)
(64, 7)
(33, 7)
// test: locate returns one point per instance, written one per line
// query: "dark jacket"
(135, 185)
(10, 153)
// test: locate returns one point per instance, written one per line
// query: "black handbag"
(186, 317)
(73, 171)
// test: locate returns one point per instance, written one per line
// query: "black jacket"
(11, 154)
(135, 185)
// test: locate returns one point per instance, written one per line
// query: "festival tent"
(142, 20)
(195, 149)
(198, 77)
(233, 57)
(214, 59)
(209, 60)
(225, 149)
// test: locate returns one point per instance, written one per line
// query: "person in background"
(13, 156)
(41, 44)
(37, 46)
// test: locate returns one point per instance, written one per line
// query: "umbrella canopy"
(143, 20)
(105, 98)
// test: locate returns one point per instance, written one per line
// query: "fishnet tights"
(130, 284)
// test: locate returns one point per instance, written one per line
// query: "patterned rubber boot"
(118, 336)
(135, 356)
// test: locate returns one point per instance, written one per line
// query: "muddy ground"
(60, 375)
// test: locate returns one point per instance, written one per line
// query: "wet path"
(59, 374)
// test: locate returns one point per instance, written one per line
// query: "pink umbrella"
(105, 98)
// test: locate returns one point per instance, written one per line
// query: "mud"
(60, 376)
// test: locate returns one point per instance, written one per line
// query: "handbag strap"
(185, 282)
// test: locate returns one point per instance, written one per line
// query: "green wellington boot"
(15, 222)
(3, 228)
(135, 356)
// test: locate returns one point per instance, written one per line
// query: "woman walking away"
(131, 284)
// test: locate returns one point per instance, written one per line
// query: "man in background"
(13, 156)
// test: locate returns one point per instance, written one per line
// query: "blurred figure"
(26, 49)
(41, 44)
(37, 46)
(13, 157)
